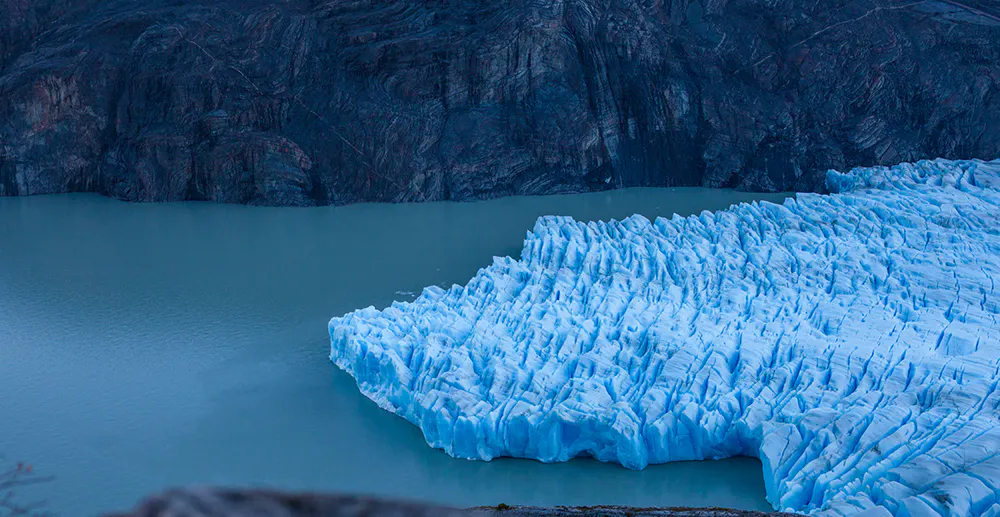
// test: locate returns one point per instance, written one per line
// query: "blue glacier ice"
(850, 341)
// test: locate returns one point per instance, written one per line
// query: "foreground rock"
(302, 102)
(259, 503)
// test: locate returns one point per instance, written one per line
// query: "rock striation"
(302, 102)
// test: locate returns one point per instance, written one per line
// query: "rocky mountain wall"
(303, 102)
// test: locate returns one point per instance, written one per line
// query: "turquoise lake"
(144, 346)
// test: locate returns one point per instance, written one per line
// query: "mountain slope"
(304, 102)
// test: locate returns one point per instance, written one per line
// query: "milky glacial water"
(144, 346)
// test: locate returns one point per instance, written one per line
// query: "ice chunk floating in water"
(850, 341)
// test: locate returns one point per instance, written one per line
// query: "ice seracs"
(850, 341)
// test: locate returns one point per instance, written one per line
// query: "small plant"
(11, 478)
(503, 507)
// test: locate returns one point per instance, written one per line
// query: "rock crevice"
(301, 102)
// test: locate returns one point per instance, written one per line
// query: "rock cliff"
(301, 102)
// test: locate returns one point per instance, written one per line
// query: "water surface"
(152, 345)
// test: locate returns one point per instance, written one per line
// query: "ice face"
(850, 341)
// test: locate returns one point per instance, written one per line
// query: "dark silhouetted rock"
(209, 502)
(301, 102)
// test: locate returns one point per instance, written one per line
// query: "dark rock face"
(300, 102)
(210, 502)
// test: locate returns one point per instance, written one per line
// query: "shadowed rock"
(302, 102)
(262, 503)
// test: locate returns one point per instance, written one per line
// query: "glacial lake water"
(144, 346)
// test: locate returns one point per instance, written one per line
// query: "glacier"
(851, 341)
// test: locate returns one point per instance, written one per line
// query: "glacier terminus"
(851, 341)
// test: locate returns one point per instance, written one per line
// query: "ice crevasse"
(851, 341)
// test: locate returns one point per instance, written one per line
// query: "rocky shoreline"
(209, 502)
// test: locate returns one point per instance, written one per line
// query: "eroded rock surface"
(303, 102)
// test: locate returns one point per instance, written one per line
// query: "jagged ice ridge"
(850, 341)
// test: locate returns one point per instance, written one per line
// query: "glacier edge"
(850, 341)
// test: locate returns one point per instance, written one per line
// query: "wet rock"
(300, 102)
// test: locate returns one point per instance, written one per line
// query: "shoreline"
(221, 502)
